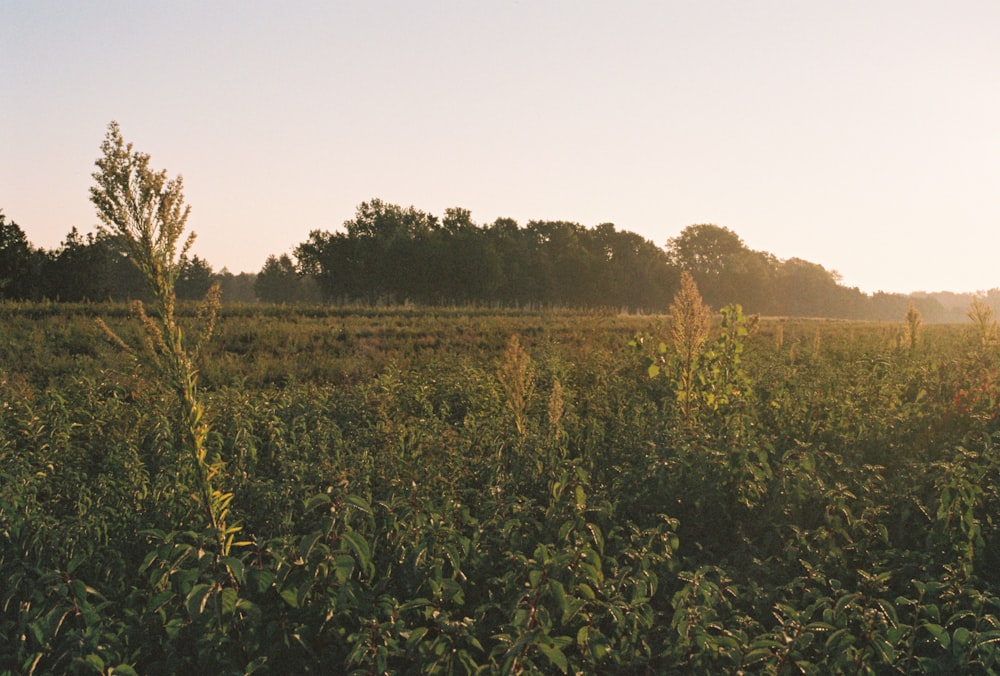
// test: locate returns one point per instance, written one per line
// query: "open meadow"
(406, 490)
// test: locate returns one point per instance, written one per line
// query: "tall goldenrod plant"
(913, 322)
(690, 321)
(983, 322)
(517, 377)
(148, 212)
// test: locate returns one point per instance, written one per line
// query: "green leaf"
(317, 501)
(343, 567)
(260, 579)
(988, 637)
(173, 627)
(939, 633)
(555, 656)
(595, 532)
(960, 638)
(599, 645)
(291, 596)
(235, 567)
(756, 655)
(197, 599)
(885, 650)
(229, 598)
(559, 595)
(307, 543)
(415, 636)
(360, 547)
(359, 502)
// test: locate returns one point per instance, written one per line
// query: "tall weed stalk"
(147, 212)
(689, 327)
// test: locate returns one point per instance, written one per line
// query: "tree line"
(388, 254)
(96, 267)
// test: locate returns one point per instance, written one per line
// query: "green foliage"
(829, 508)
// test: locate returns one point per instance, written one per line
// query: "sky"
(863, 135)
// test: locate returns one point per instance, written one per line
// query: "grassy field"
(472, 491)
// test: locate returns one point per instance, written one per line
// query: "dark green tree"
(705, 250)
(20, 263)
(335, 263)
(237, 288)
(78, 270)
(278, 281)
(636, 274)
(725, 269)
(808, 289)
(195, 279)
(714, 256)
(516, 280)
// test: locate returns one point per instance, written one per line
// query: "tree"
(567, 261)
(704, 250)
(19, 262)
(278, 281)
(807, 289)
(635, 272)
(457, 220)
(126, 281)
(389, 242)
(334, 262)
(516, 278)
(384, 222)
(237, 288)
(717, 259)
(77, 270)
(195, 278)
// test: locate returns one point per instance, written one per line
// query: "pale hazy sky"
(861, 135)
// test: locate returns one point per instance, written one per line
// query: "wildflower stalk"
(517, 377)
(913, 321)
(983, 322)
(689, 327)
(148, 212)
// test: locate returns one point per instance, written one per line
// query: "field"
(407, 490)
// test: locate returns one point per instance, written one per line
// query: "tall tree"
(79, 269)
(278, 281)
(336, 264)
(19, 262)
(808, 289)
(195, 278)
(704, 250)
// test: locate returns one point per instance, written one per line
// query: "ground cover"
(486, 491)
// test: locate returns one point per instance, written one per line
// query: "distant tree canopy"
(391, 254)
(19, 262)
(94, 267)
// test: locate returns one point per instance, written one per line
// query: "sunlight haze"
(863, 136)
